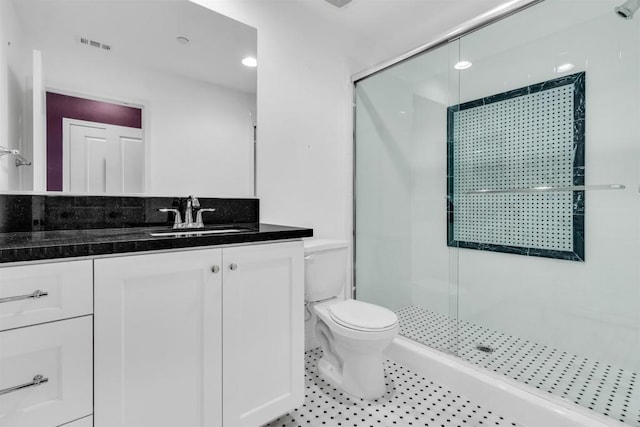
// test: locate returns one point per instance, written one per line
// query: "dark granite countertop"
(55, 244)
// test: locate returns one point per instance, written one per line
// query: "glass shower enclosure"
(497, 204)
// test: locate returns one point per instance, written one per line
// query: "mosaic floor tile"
(596, 385)
(410, 400)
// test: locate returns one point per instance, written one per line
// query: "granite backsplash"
(26, 212)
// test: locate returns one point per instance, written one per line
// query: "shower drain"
(485, 348)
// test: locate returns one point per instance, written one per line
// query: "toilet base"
(362, 377)
(329, 373)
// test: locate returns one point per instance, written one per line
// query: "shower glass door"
(401, 257)
(548, 119)
(497, 203)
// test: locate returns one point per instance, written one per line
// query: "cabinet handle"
(37, 380)
(233, 266)
(35, 295)
(215, 269)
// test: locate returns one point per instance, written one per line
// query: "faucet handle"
(177, 222)
(195, 203)
(199, 223)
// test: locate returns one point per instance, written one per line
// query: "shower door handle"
(549, 189)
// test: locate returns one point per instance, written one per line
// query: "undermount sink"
(195, 232)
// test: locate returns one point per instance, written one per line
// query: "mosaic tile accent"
(410, 400)
(596, 385)
(528, 137)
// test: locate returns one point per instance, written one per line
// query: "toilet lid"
(362, 316)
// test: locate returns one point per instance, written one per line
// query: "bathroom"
(304, 177)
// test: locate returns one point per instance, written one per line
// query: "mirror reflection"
(135, 96)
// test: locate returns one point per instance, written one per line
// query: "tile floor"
(410, 400)
(596, 385)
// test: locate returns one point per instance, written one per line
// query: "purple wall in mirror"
(64, 106)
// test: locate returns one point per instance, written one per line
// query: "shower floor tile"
(410, 400)
(595, 385)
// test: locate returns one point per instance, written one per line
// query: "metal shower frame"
(494, 15)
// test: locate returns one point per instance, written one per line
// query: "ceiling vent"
(339, 3)
(93, 43)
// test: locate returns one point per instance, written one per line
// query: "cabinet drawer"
(62, 353)
(68, 287)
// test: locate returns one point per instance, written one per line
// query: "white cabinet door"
(263, 342)
(61, 353)
(66, 289)
(157, 340)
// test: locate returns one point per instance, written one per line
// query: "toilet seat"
(362, 316)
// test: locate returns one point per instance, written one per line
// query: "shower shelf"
(546, 189)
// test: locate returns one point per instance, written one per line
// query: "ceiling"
(144, 32)
(397, 26)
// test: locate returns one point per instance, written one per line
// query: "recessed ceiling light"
(463, 65)
(250, 62)
(182, 40)
(564, 67)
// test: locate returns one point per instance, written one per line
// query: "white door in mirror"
(101, 158)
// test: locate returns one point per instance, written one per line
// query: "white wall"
(305, 96)
(13, 86)
(304, 115)
(4, 110)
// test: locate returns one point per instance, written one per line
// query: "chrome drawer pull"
(37, 380)
(35, 295)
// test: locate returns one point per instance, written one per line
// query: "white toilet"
(352, 333)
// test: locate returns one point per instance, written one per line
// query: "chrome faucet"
(192, 203)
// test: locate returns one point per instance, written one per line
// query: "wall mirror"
(126, 97)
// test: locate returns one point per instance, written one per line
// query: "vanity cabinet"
(263, 332)
(38, 293)
(199, 338)
(158, 334)
(60, 353)
(46, 344)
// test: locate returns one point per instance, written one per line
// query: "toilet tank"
(325, 268)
